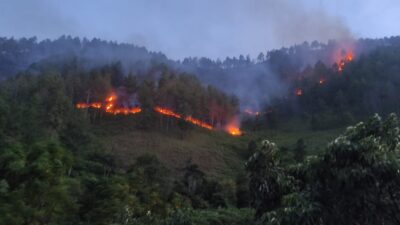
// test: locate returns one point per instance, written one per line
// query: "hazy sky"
(213, 28)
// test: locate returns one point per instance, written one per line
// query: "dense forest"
(58, 100)
(255, 81)
(55, 172)
(367, 85)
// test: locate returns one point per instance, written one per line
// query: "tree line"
(324, 97)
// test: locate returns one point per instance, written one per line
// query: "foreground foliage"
(357, 180)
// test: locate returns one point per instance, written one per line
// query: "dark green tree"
(357, 180)
(299, 150)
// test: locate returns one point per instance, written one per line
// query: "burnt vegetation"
(60, 100)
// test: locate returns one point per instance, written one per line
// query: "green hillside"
(215, 152)
(99, 146)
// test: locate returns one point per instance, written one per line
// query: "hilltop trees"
(181, 93)
(187, 96)
(19, 54)
(332, 98)
(69, 82)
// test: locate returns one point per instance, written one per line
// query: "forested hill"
(89, 137)
(328, 96)
(255, 81)
(17, 55)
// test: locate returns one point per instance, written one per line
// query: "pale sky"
(211, 28)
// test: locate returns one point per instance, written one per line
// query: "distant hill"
(17, 55)
(255, 81)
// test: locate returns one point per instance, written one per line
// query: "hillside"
(101, 145)
(216, 153)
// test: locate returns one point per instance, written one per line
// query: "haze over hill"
(255, 81)
(180, 28)
(232, 30)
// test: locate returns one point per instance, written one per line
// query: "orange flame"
(168, 112)
(321, 81)
(299, 92)
(343, 60)
(349, 57)
(109, 107)
(234, 131)
(233, 127)
(198, 122)
(125, 111)
(96, 105)
(111, 98)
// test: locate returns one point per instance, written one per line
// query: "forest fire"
(346, 58)
(198, 122)
(233, 127)
(125, 111)
(168, 112)
(298, 92)
(233, 130)
(110, 106)
(321, 81)
(96, 105)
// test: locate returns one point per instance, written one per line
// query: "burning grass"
(197, 122)
(110, 105)
(233, 127)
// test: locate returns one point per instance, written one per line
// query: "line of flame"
(109, 107)
(168, 112)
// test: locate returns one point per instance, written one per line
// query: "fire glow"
(299, 92)
(233, 127)
(343, 61)
(168, 112)
(96, 105)
(109, 106)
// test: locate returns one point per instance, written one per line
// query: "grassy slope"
(216, 153)
(315, 141)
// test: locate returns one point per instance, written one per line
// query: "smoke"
(253, 84)
(34, 18)
(256, 86)
(221, 28)
(293, 22)
(179, 28)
